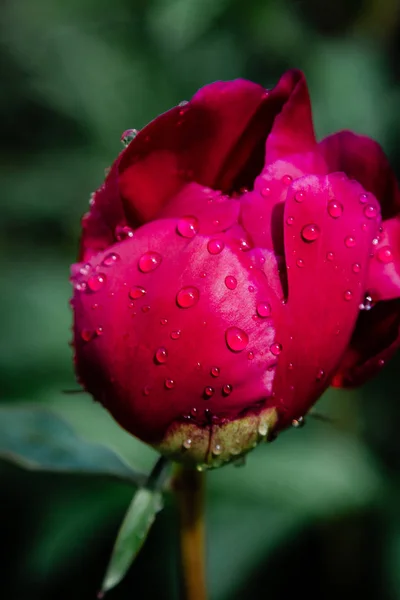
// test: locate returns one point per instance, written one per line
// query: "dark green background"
(317, 513)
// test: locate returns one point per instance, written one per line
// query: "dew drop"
(320, 375)
(367, 304)
(384, 255)
(110, 259)
(276, 348)
(236, 339)
(123, 232)
(348, 295)
(310, 232)
(86, 335)
(250, 355)
(297, 423)
(262, 429)
(85, 270)
(381, 362)
(227, 389)
(187, 297)
(175, 335)
(80, 286)
(290, 366)
(145, 308)
(99, 331)
(363, 198)
(149, 261)
(169, 384)
(335, 209)
(230, 282)
(209, 391)
(356, 268)
(215, 246)
(300, 263)
(96, 282)
(136, 292)
(188, 226)
(215, 371)
(265, 192)
(187, 444)
(349, 241)
(146, 390)
(330, 256)
(263, 309)
(290, 221)
(217, 449)
(161, 355)
(370, 211)
(299, 196)
(287, 180)
(128, 135)
(163, 321)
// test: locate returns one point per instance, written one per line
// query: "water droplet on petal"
(227, 389)
(290, 221)
(146, 390)
(310, 232)
(99, 331)
(299, 196)
(95, 282)
(349, 241)
(163, 321)
(330, 256)
(215, 246)
(348, 295)
(123, 232)
(169, 384)
(187, 297)
(110, 259)
(85, 270)
(367, 304)
(215, 371)
(209, 391)
(146, 308)
(370, 211)
(276, 348)
(297, 423)
(149, 261)
(236, 339)
(265, 192)
(217, 449)
(86, 335)
(263, 309)
(385, 255)
(335, 209)
(188, 226)
(356, 268)
(287, 179)
(187, 444)
(161, 355)
(381, 362)
(262, 429)
(136, 292)
(250, 355)
(320, 375)
(230, 282)
(80, 286)
(128, 135)
(363, 198)
(300, 263)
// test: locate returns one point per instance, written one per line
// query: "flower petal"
(363, 159)
(154, 355)
(217, 140)
(326, 258)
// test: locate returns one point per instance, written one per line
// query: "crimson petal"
(325, 287)
(363, 159)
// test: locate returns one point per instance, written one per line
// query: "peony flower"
(232, 268)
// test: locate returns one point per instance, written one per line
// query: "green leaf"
(132, 534)
(36, 439)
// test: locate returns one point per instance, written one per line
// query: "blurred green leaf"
(132, 534)
(36, 439)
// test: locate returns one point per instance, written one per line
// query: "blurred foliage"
(318, 509)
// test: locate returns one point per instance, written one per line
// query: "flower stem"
(189, 488)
